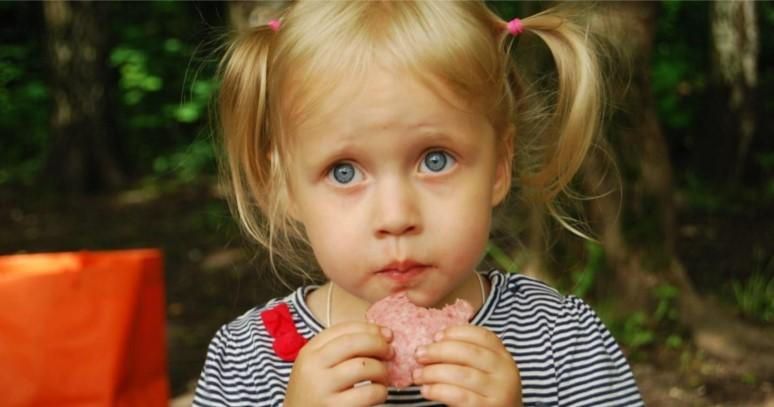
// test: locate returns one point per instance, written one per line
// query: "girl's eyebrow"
(421, 133)
(447, 137)
(439, 136)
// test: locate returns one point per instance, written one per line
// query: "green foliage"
(635, 332)
(23, 111)
(187, 163)
(766, 162)
(507, 9)
(163, 85)
(645, 329)
(642, 221)
(666, 296)
(674, 341)
(754, 296)
(699, 194)
(750, 378)
(166, 85)
(501, 259)
(584, 279)
(214, 217)
(679, 59)
(136, 80)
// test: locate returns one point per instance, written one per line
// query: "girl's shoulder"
(559, 339)
(290, 309)
(243, 364)
(524, 290)
(524, 296)
(527, 286)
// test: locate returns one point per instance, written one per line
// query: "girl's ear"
(504, 156)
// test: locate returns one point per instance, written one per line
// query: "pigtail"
(253, 170)
(577, 118)
(257, 180)
(578, 100)
(242, 111)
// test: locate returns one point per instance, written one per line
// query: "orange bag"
(83, 329)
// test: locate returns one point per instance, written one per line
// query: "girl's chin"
(421, 293)
(416, 295)
(423, 298)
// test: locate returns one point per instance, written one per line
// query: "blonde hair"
(269, 79)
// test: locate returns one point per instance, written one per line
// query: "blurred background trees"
(83, 153)
(106, 142)
(120, 89)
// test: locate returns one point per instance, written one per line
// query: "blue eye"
(343, 173)
(437, 161)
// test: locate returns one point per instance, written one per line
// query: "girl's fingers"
(352, 345)
(350, 372)
(452, 395)
(460, 376)
(469, 367)
(473, 334)
(460, 353)
(346, 328)
(315, 373)
(367, 394)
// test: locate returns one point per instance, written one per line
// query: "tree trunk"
(640, 243)
(81, 156)
(641, 239)
(735, 48)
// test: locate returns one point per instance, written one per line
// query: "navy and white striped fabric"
(565, 355)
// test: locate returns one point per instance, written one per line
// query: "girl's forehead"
(377, 93)
(314, 70)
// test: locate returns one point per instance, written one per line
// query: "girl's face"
(395, 188)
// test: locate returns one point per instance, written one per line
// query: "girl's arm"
(591, 368)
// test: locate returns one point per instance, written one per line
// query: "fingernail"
(387, 333)
(438, 336)
(421, 351)
(391, 353)
(417, 375)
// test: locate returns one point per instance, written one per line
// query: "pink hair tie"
(274, 25)
(515, 27)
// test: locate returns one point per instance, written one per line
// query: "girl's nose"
(396, 209)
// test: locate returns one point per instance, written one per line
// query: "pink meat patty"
(413, 326)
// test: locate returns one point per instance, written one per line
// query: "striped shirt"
(564, 354)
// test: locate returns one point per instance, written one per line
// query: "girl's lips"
(403, 275)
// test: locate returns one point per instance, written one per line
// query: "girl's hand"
(468, 366)
(328, 367)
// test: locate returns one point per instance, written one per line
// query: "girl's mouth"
(402, 271)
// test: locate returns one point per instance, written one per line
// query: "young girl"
(380, 136)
